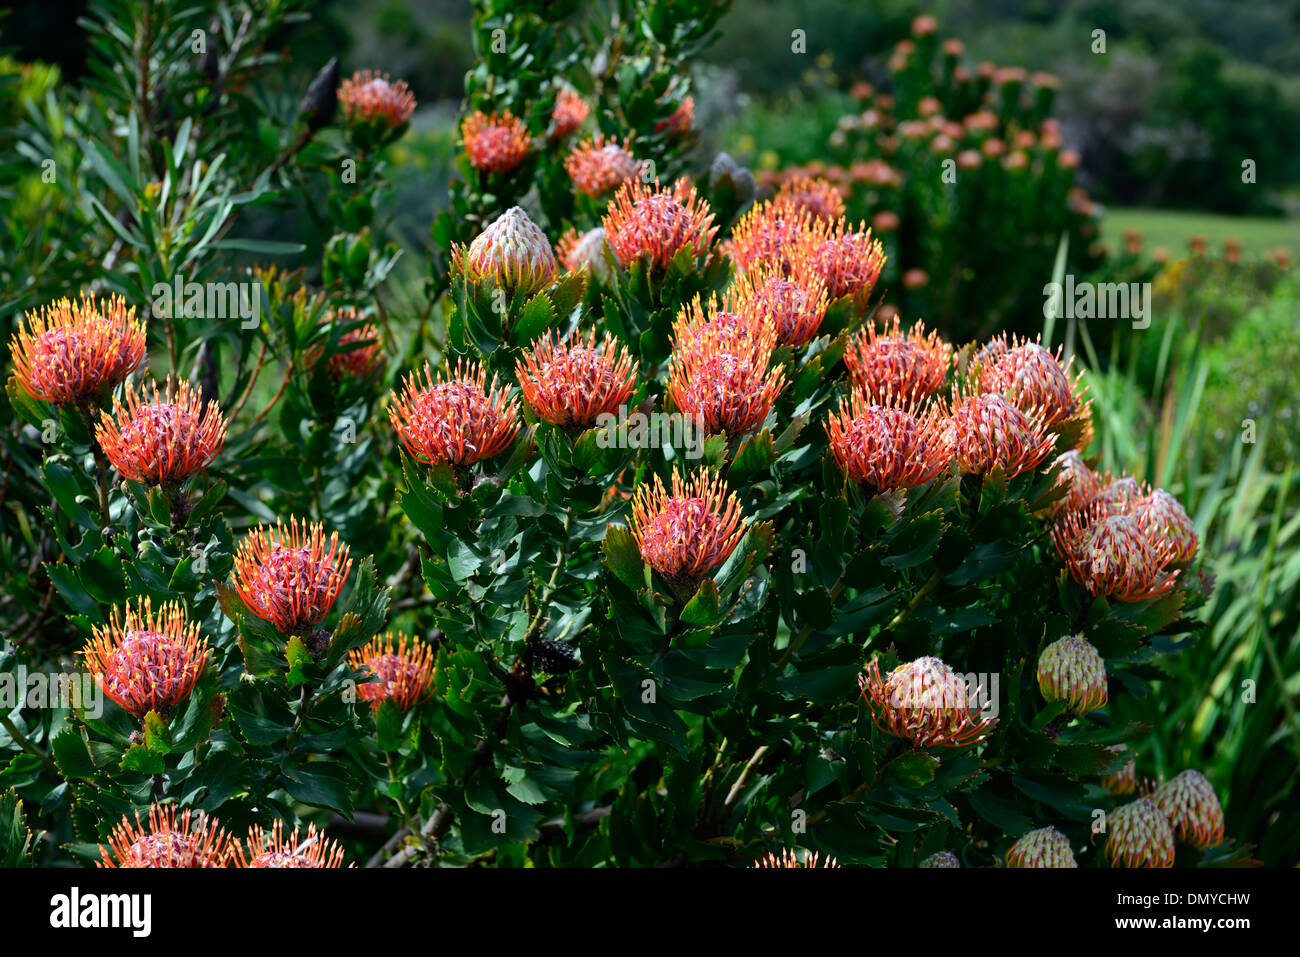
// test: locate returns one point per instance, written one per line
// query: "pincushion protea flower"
(911, 366)
(847, 260)
(1045, 847)
(161, 439)
(723, 326)
(888, 445)
(371, 97)
(820, 198)
(686, 534)
(924, 702)
(767, 235)
(570, 381)
(147, 661)
(790, 858)
(577, 250)
(569, 113)
(681, 121)
(1032, 378)
(459, 419)
(943, 859)
(1083, 483)
(403, 667)
(725, 390)
(1165, 516)
(1071, 670)
(513, 251)
(1189, 802)
(1139, 836)
(1123, 781)
(70, 352)
(794, 305)
(597, 166)
(271, 849)
(1113, 555)
(496, 143)
(291, 575)
(195, 840)
(657, 223)
(358, 353)
(989, 432)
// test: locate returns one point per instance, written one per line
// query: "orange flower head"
(790, 858)
(818, 197)
(70, 352)
(146, 661)
(1139, 836)
(847, 260)
(161, 439)
(687, 534)
(767, 235)
(1083, 484)
(403, 667)
(1032, 378)
(889, 444)
(1165, 516)
(192, 840)
(571, 381)
(657, 223)
(460, 419)
(271, 849)
(577, 251)
(597, 166)
(569, 113)
(989, 432)
(722, 327)
(1113, 554)
(1121, 495)
(910, 366)
(513, 251)
(942, 860)
(1192, 807)
(291, 575)
(359, 352)
(683, 118)
(496, 143)
(794, 305)
(369, 97)
(924, 702)
(1123, 781)
(1071, 670)
(1045, 847)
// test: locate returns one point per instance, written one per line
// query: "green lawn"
(1171, 229)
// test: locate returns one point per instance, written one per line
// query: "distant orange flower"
(496, 143)
(795, 305)
(597, 166)
(789, 858)
(359, 351)
(70, 352)
(989, 432)
(570, 381)
(370, 96)
(271, 849)
(577, 250)
(459, 418)
(161, 439)
(911, 365)
(291, 575)
(686, 534)
(403, 667)
(847, 260)
(146, 661)
(819, 198)
(1113, 555)
(924, 702)
(569, 113)
(657, 223)
(681, 121)
(890, 445)
(195, 840)
(767, 235)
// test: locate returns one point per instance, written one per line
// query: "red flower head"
(496, 143)
(924, 702)
(403, 666)
(164, 440)
(789, 858)
(1083, 483)
(1122, 495)
(358, 354)
(271, 849)
(577, 250)
(819, 198)
(1139, 836)
(570, 381)
(1193, 809)
(597, 166)
(570, 112)
(767, 235)
(989, 432)
(683, 118)
(459, 419)
(70, 352)
(1045, 847)
(794, 305)
(147, 662)
(888, 445)
(657, 223)
(1032, 378)
(911, 366)
(369, 97)
(513, 251)
(1071, 670)
(1113, 555)
(290, 576)
(195, 840)
(848, 261)
(687, 534)
(1123, 781)
(1165, 516)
